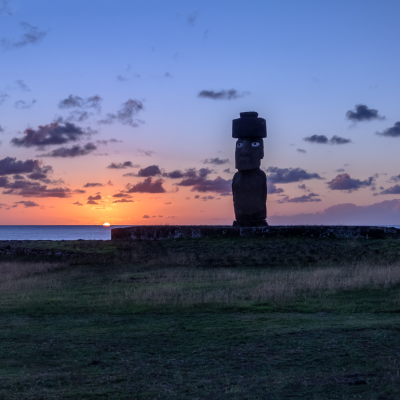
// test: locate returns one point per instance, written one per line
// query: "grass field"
(201, 319)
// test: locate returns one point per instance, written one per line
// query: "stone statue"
(249, 185)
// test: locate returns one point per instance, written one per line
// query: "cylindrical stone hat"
(249, 125)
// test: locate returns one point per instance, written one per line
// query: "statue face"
(249, 153)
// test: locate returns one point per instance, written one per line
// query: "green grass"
(201, 319)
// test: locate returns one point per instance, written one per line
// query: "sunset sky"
(121, 111)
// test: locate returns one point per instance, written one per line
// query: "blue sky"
(301, 65)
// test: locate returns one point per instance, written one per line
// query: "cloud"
(88, 185)
(124, 165)
(22, 85)
(123, 200)
(78, 102)
(363, 113)
(322, 139)
(192, 17)
(340, 170)
(204, 198)
(151, 170)
(3, 98)
(71, 152)
(79, 191)
(117, 195)
(125, 115)
(384, 213)
(395, 178)
(112, 140)
(97, 197)
(272, 189)
(167, 75)
(23, 105)
(122, 78)
(10, 165)
(301, 151)
(27, 203)
(93, 202)
(168, 203)
(288, 175)
(32, 189)
(51, 134)
(316, 139)
(201, 184)
(147, 186)
(215, 161)
(392, 190)
(147, 153)
(394, 131)
(304, 187)
(77, 203)
(32, 36)
(307, 198)
(344, 182)
(5, 7)
(231, 94)
(145, 216)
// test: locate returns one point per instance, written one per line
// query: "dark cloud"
(22, 85)
(304, 187)
(78, 102)
(79, 191)
(105, 142)
(147, 186)
(339, 140)
(392, 190)
(316, 139)
(192, 17)
(123, 200)
(10, 165)
(5, 7)
(363, 113)
(204, 198)
(231, 94)
(23, 105)
(126, 114)
(71, 152)
(97, 197)
(228, 171)
(145, 216)
(307, 198)
(77, 203)
(32, 36)
(345, 182)
(272, 189)
(393, 131)
(340, 170)
(177, 174)
(119, 195)
(122, 78)
(301, 151)
(215, 161)
(151, 170)
(93, 202)
(384, 213)
(32, 189)
(202, 184)
(3, 98)
(322, 139)
(27, 203)
(93, 184)
(52, 134)
(168, 203)
(124, 165)
(393, 178)
(288, 175)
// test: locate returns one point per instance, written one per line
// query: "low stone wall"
(159, 232)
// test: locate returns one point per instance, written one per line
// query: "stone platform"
(159, 232)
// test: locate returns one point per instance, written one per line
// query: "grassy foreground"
(201, 319)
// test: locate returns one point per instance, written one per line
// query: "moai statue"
(249, 185)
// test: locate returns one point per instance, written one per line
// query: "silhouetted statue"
(249, 185)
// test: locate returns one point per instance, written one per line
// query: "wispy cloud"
(126, 115)
(230, 94)
(23, 105)
(32, 35)
(70, 152)
(215, 161)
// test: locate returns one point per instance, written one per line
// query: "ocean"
(65, 232)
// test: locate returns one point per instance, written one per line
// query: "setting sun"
(106, 224)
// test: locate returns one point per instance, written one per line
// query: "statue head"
(250, 131)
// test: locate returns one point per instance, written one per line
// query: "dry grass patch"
(17, 276)
(193, 286)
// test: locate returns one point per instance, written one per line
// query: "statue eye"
(239, 145)
(255, 144)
